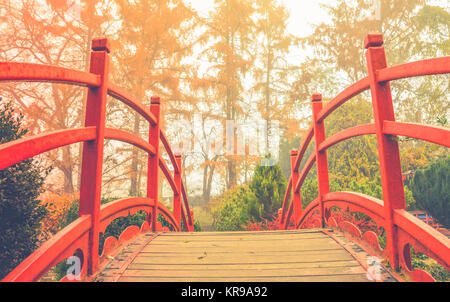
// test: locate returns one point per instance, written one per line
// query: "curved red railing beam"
(304, 145)
(296, 187)
(21, 149)
(126, 137)
(302, 176)
(183, 218)
(436, 244)
(29, 72)
(345, 95)
(66, 241)
(346, 134)
(123, 207)
(76, 237)
(284, 206)
(414, 69)
(169, 177)
(186, 205)
(126, 98)
(432, 134)
(166, 145)
(54, 250)
(289, 213)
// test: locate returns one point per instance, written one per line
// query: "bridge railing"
(81, 237)
(403, 230)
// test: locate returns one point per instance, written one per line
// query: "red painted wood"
(169, 177)
(154, 160)
(123, 207)
(82, 235)
(57, 248)
(169, 151)
(414, 69)
(436, 243)
(190, 216)
(282, 211)
(177, 194)
(388, 151)
(92, 164)
(401, 227)
(28, 72)
(351, 91)
(321, 156)
(305, 143)
(346, 134)
(296, 196)
(21, 149)
(130, 138)
(288, 219)
(433, 134)
(126, 98)
(308, 166)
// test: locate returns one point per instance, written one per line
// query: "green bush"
(258, 201)
(268, 184)
(431, 190)
(233, 209)
(21, 213)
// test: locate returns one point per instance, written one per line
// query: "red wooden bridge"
(310, 245)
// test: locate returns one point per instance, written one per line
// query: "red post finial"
(177, 155)
(101, 44)
(294, 152)
(316, 97)
(155, 100)
(373, 40)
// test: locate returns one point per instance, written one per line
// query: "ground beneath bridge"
(272, 256)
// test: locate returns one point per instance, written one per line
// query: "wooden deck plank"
(290, 245)
(243, 256)
(227, 233)
(245, 266)
(333, 278)
(217, 272)
(237, 239)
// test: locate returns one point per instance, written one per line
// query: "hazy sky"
(303, 13)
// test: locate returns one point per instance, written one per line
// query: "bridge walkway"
(270, 256)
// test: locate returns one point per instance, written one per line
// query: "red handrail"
(82, 236)
(402, 229)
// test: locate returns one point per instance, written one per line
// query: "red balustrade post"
(388, 151)
(177, 196)
(191, 225)
(296, 197)
(321, 156)
(153, 161)
(91, 166)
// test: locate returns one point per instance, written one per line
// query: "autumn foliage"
(57, 207)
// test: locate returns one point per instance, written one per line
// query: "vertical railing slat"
(153, 161)
(296, 197)
(91, 172)
(388, 151)
(177, 195)
(321, 156)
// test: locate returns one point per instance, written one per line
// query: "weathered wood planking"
(290, 256)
